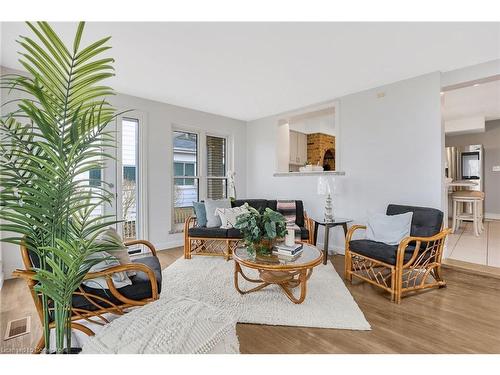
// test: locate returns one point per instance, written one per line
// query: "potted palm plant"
(54, 136)
(260, 229)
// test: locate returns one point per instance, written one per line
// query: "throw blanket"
(172, 324)
(289, 210)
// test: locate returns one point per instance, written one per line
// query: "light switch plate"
(496, 168)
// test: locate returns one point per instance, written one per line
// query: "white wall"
(159, 119)
(391, 151)
(470, 73)
(323, 124)
(465, 125)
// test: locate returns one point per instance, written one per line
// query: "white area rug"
(328, 303)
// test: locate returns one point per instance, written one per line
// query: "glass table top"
(310, 254)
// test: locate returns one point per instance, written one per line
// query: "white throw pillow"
(213, 220)
(228, 216)
(120, 279)
(110, 237)
(389, 229)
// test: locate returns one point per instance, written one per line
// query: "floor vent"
(18, 327)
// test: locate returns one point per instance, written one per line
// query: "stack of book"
(285, 251)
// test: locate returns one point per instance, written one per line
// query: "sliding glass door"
(125, 177)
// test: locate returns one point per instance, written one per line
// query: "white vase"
(290, 237)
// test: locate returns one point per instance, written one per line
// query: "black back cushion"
(426, 222)
(272, 205)
(261, 204)
(299, 218)
(258, 204)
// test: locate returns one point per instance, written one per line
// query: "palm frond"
(57, 133)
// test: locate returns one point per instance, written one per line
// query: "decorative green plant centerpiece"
(260, 230)
(52, 137)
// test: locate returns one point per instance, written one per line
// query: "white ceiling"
(472, 101)
(252, 70)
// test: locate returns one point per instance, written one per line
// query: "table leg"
(303, 276)
(344, 226)
(316, 227)
(239, 271)
(325, 248)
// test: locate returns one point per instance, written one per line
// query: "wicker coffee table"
(273, 269)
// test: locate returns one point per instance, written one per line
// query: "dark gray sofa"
(219, 241)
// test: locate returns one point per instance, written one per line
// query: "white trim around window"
(201, 170)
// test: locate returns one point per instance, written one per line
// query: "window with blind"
(185, 170)
(196, 175)
(186, 180)
(216, 167)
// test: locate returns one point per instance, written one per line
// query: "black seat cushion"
(379, 250)
(234, 233)
(140, 288)
(426, 221)
(207, 232)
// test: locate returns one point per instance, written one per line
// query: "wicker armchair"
(413, 265)
(90, 304)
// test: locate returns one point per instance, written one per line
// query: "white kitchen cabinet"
(298, 148)
(302, 148)
(293, 147)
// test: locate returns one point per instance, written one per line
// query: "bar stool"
(460, 201)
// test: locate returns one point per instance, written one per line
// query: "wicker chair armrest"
(142, 242)
(122, 268)
(351, 231)
(190, 221)
(309, 225)
(107, 273)
(418, 240)
(437, 236)
(24, 274)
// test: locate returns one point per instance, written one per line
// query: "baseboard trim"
(337, 250)
(472, 268)
(491, 216)
(169, 244)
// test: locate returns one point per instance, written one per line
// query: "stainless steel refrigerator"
(466, 163)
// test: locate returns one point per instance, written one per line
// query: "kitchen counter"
(462, 183)
(311, 173)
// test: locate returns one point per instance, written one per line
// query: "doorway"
(126, 177)
(471, 115)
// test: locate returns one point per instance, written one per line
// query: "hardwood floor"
(462, 318)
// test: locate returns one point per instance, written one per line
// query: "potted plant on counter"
(260, 230)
